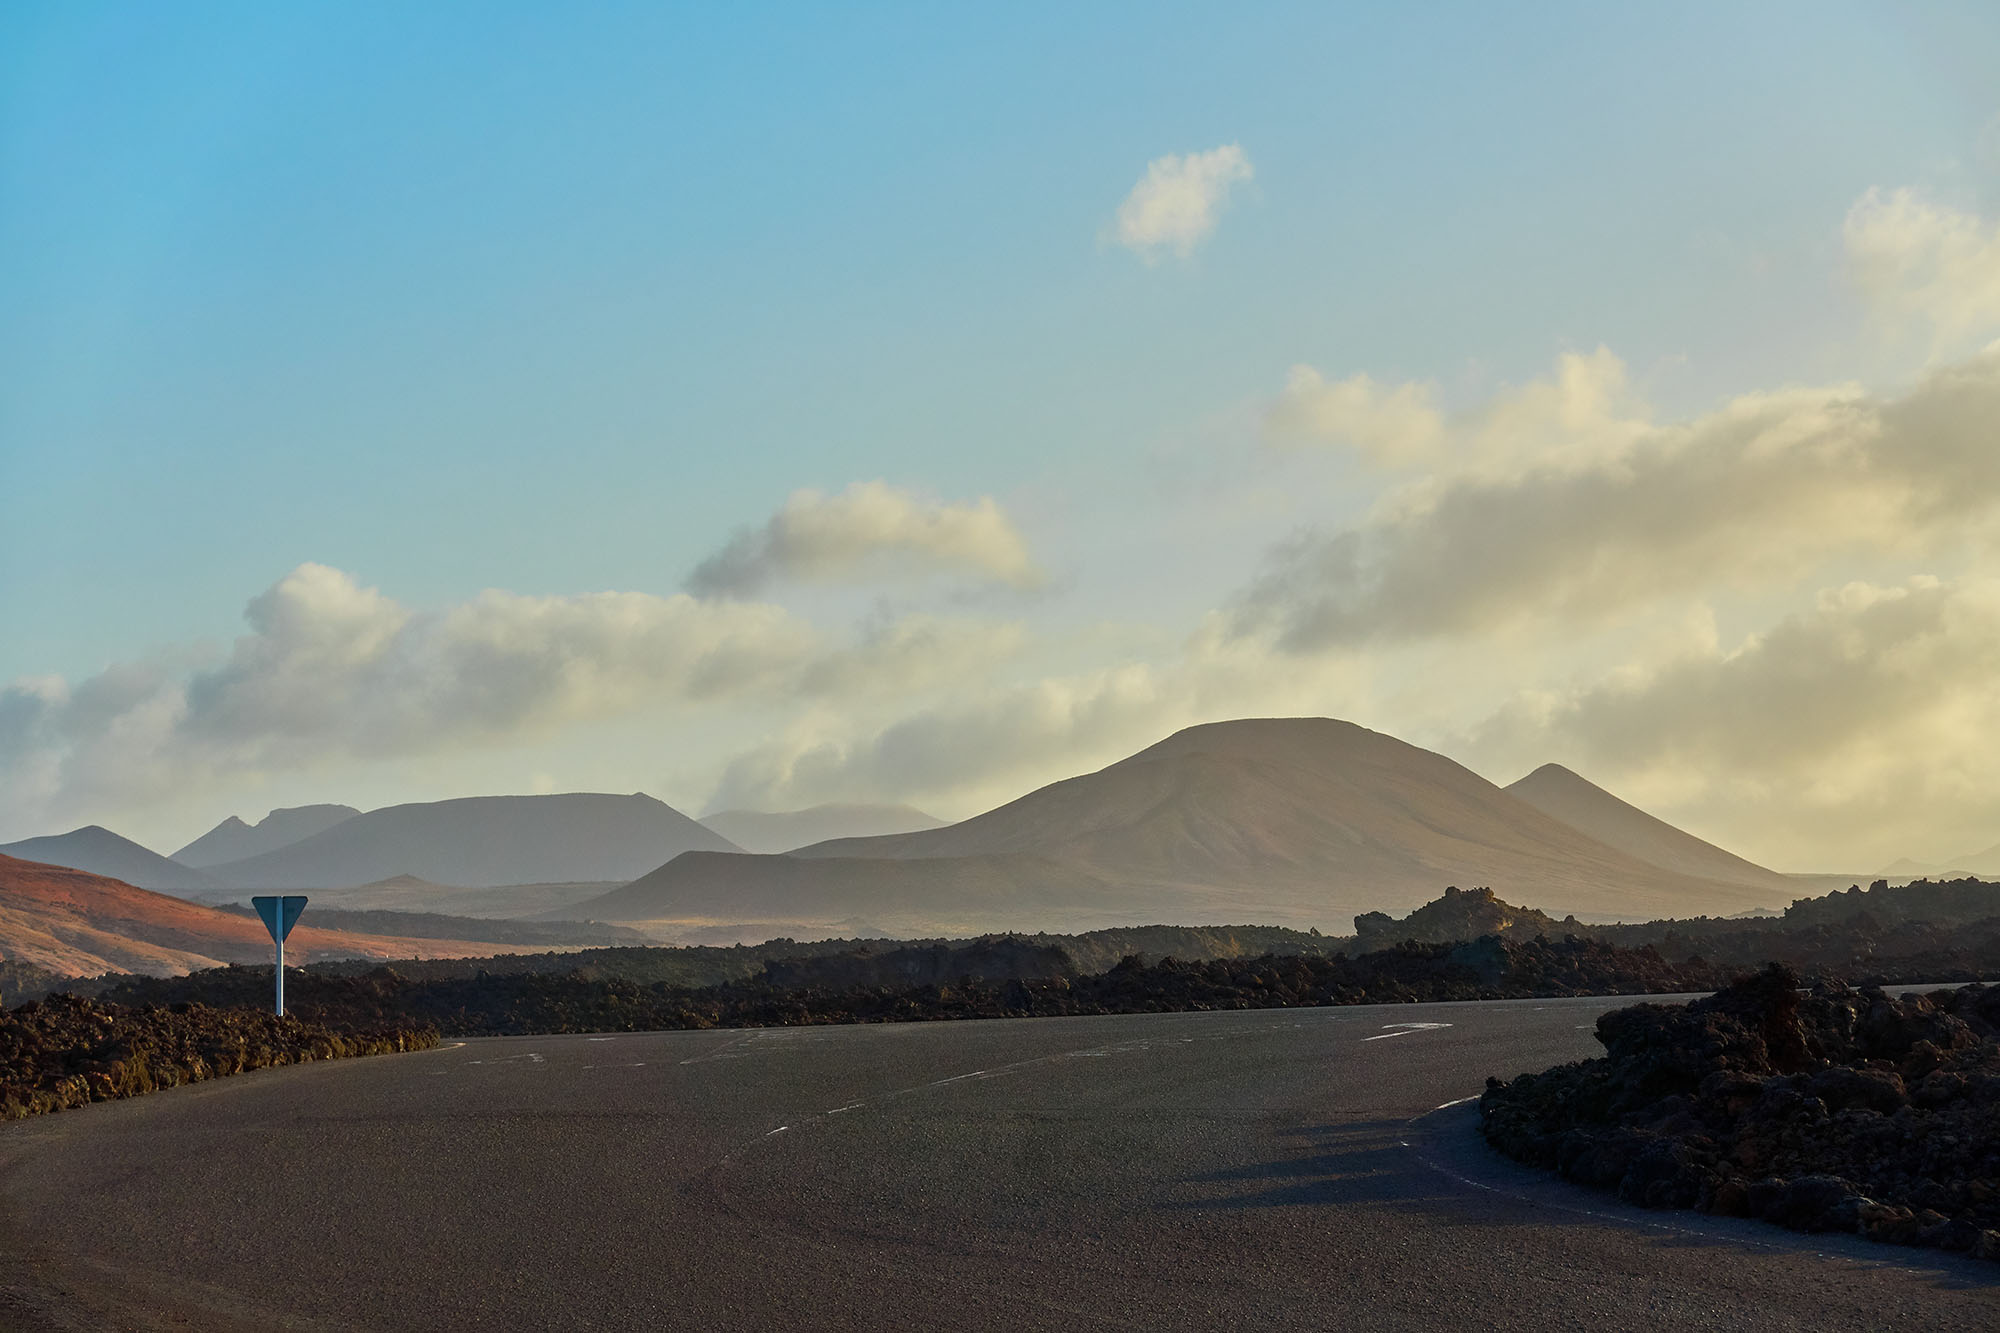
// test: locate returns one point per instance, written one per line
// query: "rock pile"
(1832, 1109)
(64, 1051)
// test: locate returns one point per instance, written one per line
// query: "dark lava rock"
(64, 1051)
(1823, 1110)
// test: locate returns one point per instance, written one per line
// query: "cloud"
(869, 530)
(1615, 512)
(1921, 262)
(1860, 727)
(333, 670)
(1395, 425)
(1176, 203)
(1585, 410)
(981, 747)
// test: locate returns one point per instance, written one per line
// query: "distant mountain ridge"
(98, 851)
(1282, 821)
(1562, 794)
(233, 840)
(788, 830)
(484, 842)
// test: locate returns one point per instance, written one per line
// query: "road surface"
(1283, 1169)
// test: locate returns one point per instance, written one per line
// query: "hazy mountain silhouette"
(782, 831)
(80, 924)
(1588, 808)
(483, 841)
(233, 840)
(98, 850)
(1282, 821)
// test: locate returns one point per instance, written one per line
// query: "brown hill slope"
(1282, 821)
(1595, 812)
(80, 924)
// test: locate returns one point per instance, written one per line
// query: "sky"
(764, 405)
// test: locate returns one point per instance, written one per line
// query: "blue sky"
(556, 300)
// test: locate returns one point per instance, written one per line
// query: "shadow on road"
(1439, 1165)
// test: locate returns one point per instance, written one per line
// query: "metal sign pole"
(280, 915)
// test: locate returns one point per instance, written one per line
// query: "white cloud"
(1394, 425)
(977, 748)
(1922, 262)
(1857, 728)
(869, 530)
(332, 670)
(1176, 203)
(1616, 512)
(1584, 411)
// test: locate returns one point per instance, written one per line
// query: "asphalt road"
(1284, 1169)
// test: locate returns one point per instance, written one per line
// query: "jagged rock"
(1796, 1107)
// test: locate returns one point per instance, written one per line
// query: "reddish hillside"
(81, 924)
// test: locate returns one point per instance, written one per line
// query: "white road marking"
(1448, 1105)
(851, 1106)
(956, 1077)
(1404, 1030)
(779, 1130)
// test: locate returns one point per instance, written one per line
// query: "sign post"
(280, 915)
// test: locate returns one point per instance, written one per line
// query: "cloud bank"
(1176, 204)
(1616, 512)
(870, 530)
(333, 670)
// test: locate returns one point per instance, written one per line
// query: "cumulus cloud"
(989, 746)
(1393, 425)
(871, 529)
(1919, 262)
(1585, 410)
(1616, 511)
(1866, 715)
(330, 669)
(1177, 202)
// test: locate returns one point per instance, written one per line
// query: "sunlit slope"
(80, 924)
(99, 851)
(1290, 821)
(484, 841)
(1591, 810)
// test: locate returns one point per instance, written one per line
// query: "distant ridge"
(1283, 821)
(232, 839)
(1583, 805)
(783, 831)
(99, 851)
(484, 842)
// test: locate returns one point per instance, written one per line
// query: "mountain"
(407, 893)
(1591, 810)
(99, 851)
(484, 841)
(782, 831)
(1280, 821)
(79, 924)
(232, 839)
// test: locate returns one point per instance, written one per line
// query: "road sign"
(280, 915)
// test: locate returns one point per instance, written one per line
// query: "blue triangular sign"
(280, 914)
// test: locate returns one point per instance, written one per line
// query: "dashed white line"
(1404, 1030)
